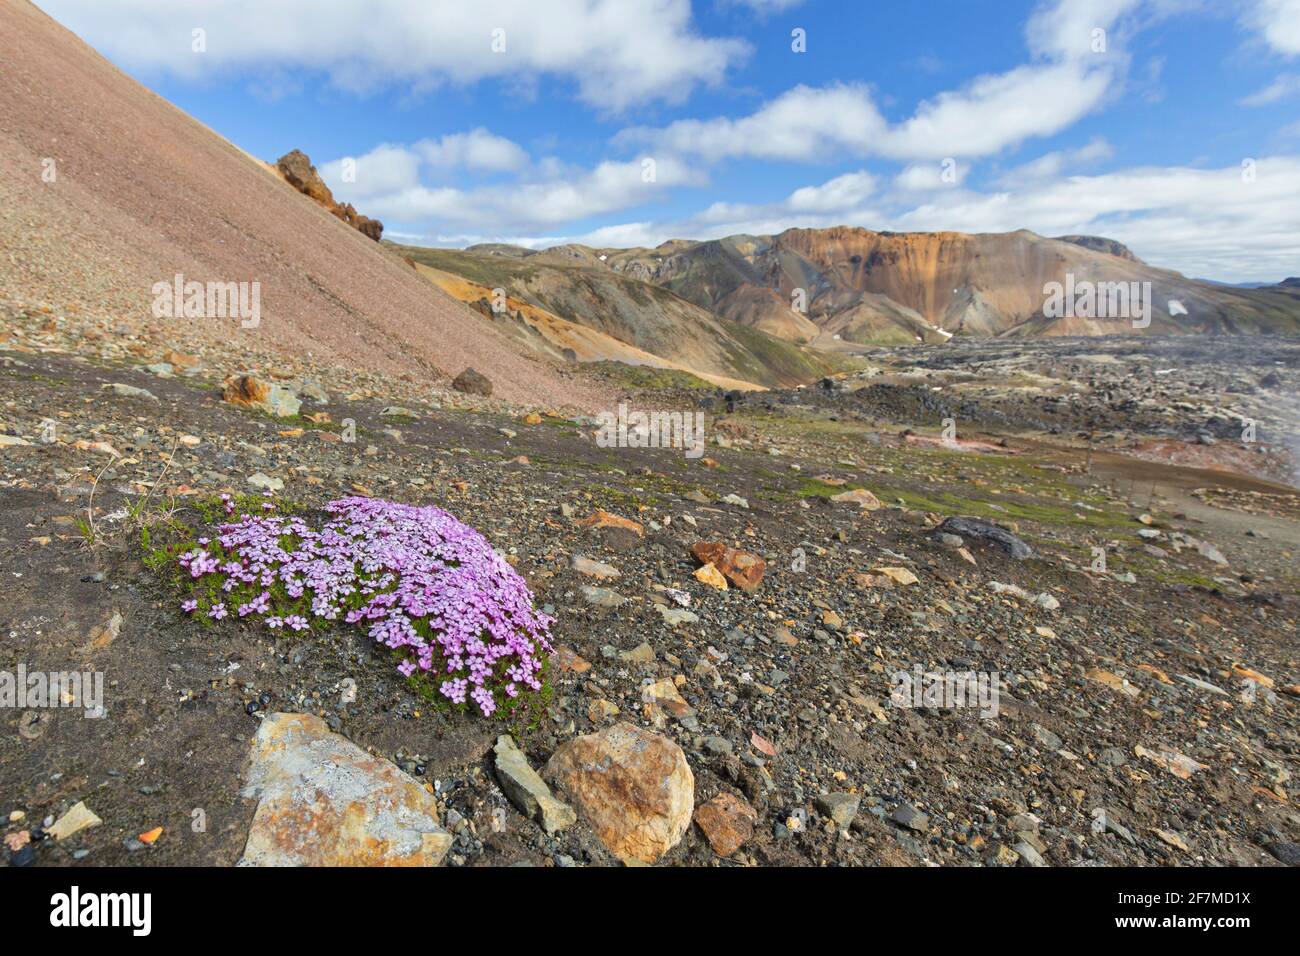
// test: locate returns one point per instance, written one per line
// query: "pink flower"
(432, 587)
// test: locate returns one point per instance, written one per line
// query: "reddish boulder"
(741, 568)
(727, 822)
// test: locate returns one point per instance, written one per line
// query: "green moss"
(812, 488)
(648, 376)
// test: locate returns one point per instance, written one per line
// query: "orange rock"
(245, 390)
(1180, 765)
(296, 169)
(1248, 674)
(710, 575)
(150, 836)
(633, 786)
(741, 568)
(180, 359)
(603, 519)
(727, 822)
(860, 497)
(1113, 681)
(872, 581)
(1155, 672)
(567, 659)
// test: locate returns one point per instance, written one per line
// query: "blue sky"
(1172, 125)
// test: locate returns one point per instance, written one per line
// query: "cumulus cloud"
(1069, 30)
(995, 112)
(617, 52)
(1202, 222)
(923, 177)
(476, 150)
(1071, 74)
(1278, 22)
(388, 183)
(842, 192)
(385, 169)
(804, 123)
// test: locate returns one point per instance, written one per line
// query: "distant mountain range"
(823, 291)
(577, 311)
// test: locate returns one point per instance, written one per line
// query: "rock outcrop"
(298, 172)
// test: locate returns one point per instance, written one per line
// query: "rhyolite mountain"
(864, 287)
(565, 307)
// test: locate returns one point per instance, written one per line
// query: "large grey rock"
(975, 528)
(323, 801)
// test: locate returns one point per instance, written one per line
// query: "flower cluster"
(416, 579)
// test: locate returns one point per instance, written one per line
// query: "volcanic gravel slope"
(1148, 712)
(142, 192)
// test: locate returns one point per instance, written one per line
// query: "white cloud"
(1202, 222)
(385, 169)
(804, 123)
(617, 52)
(1278, 21)
(1288, 84)
(1067, 30)
(1068, 80)
(1052, 164)
(845, 191)
(478, 150)
(996, 112)
(387, 185)
(923, 177)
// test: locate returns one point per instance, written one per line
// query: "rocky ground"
(1145, 647)
(1203, 401)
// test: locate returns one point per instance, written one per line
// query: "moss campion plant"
(416, 579)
